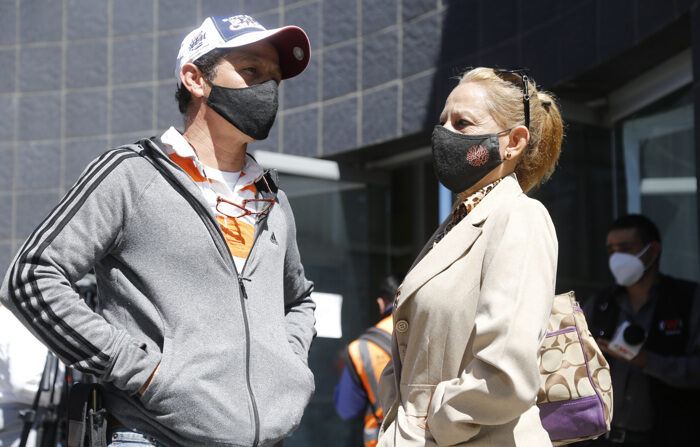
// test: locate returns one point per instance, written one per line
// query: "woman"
(471, 314)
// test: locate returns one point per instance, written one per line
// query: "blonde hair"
(505, 103)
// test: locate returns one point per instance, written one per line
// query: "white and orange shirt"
(232, 186)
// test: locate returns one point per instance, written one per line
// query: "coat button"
(401, 326)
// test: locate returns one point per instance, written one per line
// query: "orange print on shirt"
(251, 188)
(187, 165)
(239, 235)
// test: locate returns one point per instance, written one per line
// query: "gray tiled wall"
(80, 76)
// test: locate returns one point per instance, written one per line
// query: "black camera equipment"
(45, 419)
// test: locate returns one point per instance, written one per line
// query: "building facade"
(352, 139)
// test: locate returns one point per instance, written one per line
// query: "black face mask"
(251, 109)
(460, 161)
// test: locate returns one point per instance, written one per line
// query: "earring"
(508, 155)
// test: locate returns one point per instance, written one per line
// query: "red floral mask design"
(477, 155)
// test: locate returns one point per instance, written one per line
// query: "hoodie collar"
(175, 143)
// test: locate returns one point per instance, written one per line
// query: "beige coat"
(468, 322)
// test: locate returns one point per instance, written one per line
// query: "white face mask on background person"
(626, 268)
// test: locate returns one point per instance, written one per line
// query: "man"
(366, 358)
(204, 318)
(657, 391)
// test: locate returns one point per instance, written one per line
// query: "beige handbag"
(575, 397)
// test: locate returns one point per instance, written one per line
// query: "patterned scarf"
(464, 208)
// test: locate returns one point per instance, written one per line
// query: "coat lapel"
(458, 241)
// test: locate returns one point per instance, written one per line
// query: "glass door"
(659, 156)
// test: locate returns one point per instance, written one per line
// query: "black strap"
(87, 420)
(383, 340)
(351, 369)
(378, 337)
(368, 367)
(269, 180)
(371, 376)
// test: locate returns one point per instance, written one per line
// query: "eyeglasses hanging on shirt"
(248, 207)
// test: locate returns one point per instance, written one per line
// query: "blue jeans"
(122, 437)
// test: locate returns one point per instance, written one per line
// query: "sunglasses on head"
(523, 74)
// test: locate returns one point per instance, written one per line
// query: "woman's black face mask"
(460, 161)
(251, 109)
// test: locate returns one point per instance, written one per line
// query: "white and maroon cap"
(291, 42)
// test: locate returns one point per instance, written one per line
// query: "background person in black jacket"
(657, 391)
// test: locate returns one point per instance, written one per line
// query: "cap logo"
(298, 53)
(237, 22)
(197, 41)
(234, 26)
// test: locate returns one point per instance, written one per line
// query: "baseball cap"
(291, 42)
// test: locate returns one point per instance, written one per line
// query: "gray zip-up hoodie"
(232, 346)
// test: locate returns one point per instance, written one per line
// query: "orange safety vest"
(368, 356)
